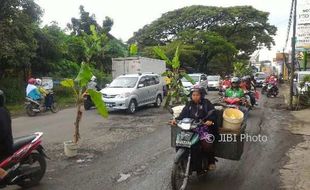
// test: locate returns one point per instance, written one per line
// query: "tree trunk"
(77, 123)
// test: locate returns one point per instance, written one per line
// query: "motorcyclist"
(202, 109)
(226, 82)
(6, 138)
(248, 85)
(32, 91)
(274, 81)
(237, 92)
(48, 99)
(93, 84)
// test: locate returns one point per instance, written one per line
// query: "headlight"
(125, 95)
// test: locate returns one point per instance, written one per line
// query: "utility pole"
(293, 55)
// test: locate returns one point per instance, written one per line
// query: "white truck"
(135, 65)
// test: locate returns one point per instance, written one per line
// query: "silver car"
(199, 79)
(127, 92)
(214, 82)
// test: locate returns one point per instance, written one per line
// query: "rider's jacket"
(234, 93)
(33, 92)
(6, 139)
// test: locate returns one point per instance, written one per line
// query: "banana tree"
(78, 86)
(176, 93)
(93, 45)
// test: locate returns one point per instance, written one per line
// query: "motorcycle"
(34, 107)
(27, 166)
(223, 90)
(188, 152)
(272, 90)
(88, 103)
(264, 88)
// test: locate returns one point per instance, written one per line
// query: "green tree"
(242, 69)
(243, 26)
(19, 21)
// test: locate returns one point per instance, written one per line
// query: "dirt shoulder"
(295, 174)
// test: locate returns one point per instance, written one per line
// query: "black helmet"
(197, 88)
(2, 99)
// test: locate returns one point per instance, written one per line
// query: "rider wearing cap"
(93, 84)
(201, 109)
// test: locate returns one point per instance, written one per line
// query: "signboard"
(303, 24)
(47, 83)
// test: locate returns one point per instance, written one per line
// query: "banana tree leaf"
(176, 60)
(187, 77)
(100, 105)
(133, 49)
(69, 83)
(162, 55)
(84, 75)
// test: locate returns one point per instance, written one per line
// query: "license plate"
(184, 139)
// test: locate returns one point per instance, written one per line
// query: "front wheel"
(29, 110)
(269, 94)
(158, 101)
(132, 107)
(178, 174)
(36, 163)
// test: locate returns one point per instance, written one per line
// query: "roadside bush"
(61, 92)
(14, 90)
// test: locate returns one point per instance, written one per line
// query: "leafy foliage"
(242, 69)
(133, 50)
(238, 25)
(176, 94)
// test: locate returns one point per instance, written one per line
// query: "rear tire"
(35, 178)
(29, 110)
(132, 107)
(54, 108)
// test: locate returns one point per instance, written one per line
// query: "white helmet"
(38, 82)
(235, 80)
(93, 78)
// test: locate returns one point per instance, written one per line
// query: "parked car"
(214, 82)
(199, 79)
(127, 92)
(298, 78)
(260, 78)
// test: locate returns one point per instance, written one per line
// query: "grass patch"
(16, 109)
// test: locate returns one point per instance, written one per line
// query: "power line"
(289, 23)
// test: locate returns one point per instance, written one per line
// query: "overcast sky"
(131, 15)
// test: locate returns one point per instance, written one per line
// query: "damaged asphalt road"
(133, 152)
